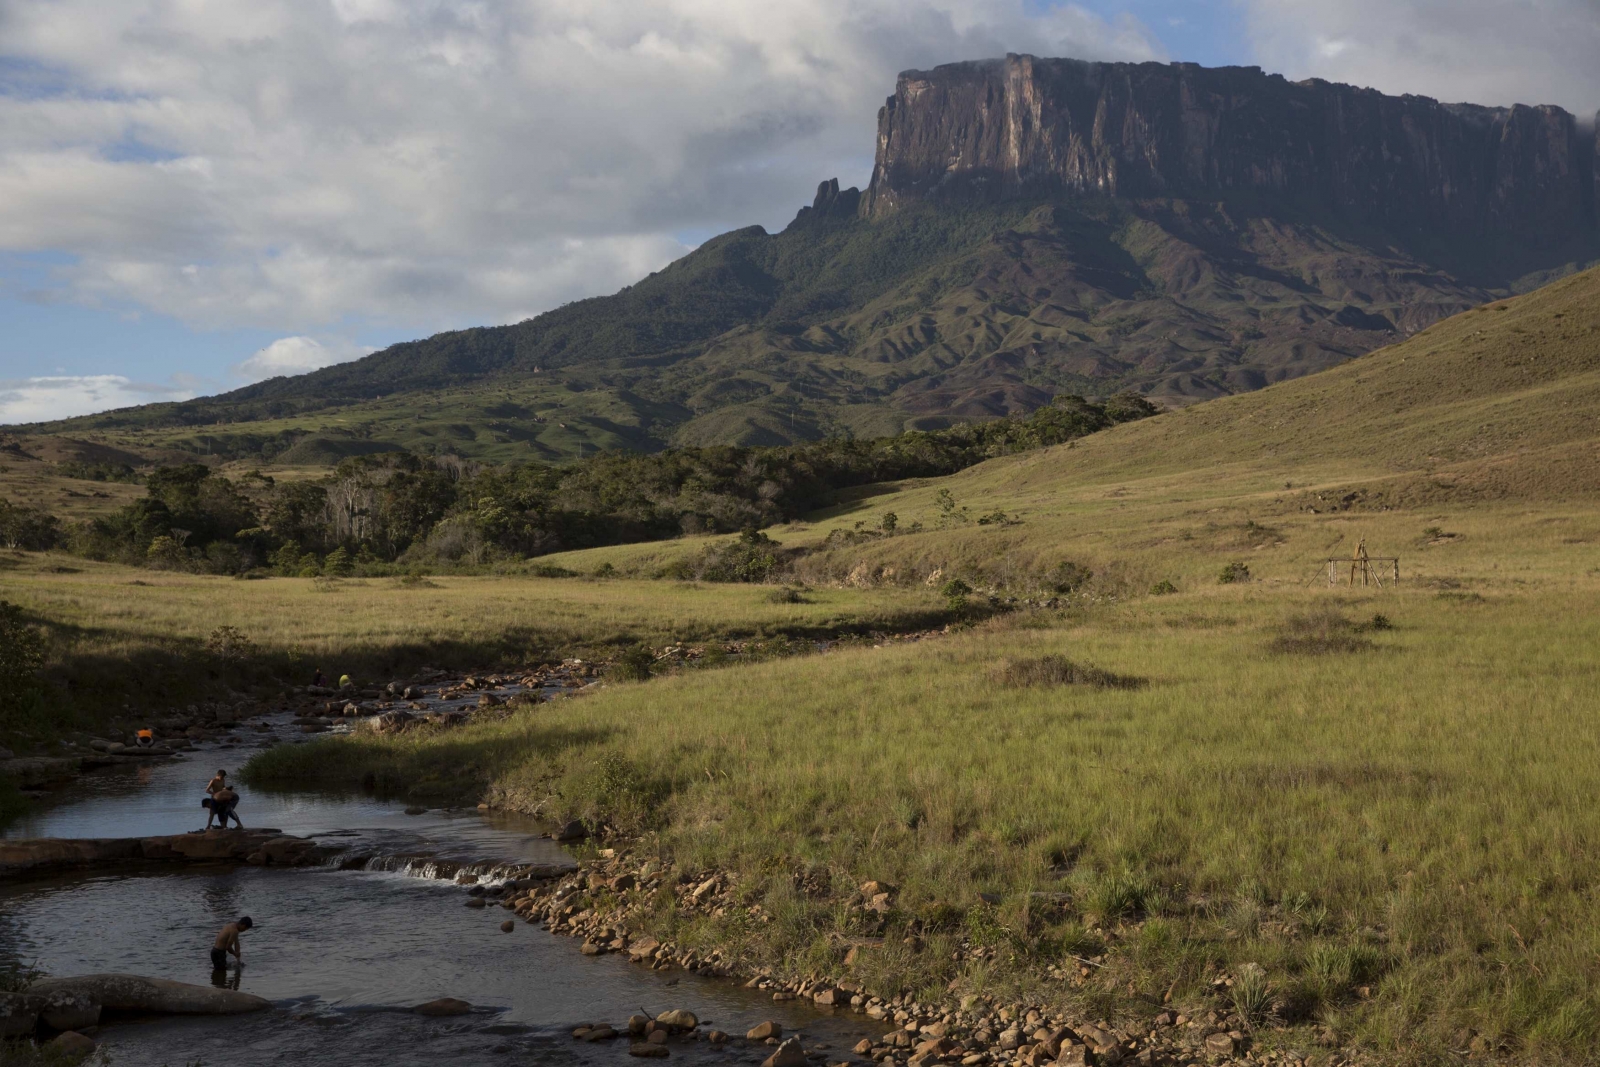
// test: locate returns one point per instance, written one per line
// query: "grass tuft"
(1321, 632)
(1058, 670)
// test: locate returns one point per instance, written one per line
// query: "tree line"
(374, 513)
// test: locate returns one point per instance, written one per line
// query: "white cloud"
(1497, 52)
(296, 355)
(293, 163)
(45, 399)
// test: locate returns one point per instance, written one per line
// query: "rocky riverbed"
(604, 903)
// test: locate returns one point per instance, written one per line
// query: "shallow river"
(339, 952)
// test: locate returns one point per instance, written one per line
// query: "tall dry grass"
(1411, 819)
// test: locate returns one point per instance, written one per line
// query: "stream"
(341, 952)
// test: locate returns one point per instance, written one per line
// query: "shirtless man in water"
(218, 783)
(228, 941)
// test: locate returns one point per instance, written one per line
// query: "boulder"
(1221, 1044)
(602, 1032)
(161, 996)
(646, 1050)
(19, 1013)
(678, 1019)
(762, 1031)
(572, 831)
(67, 1009)
(788, 1054)
(71, 1044)
(443, 1006)
(507, 926)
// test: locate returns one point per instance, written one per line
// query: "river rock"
(573, 831)
(161, 996)
(1221, 1044)
(71, 1044)
(19, 1013)
(67, 1009)
(507, 926)
(602, 1032)
(678, 1019)
(788, 1054)
(638, 1025)
(443, 1006)
(646, 1050)
(762, 1031)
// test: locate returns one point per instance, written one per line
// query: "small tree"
(338, 563)
(889, 522)
(955, 593)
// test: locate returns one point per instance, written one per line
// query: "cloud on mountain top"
(297, 355)
(292, 164)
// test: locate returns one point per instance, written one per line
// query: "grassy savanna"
(1381, 798)
(1410, 815)
(128, 635)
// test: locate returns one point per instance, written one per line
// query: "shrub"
(788, 595)
(21, 656)
(229, 644)
(1068, 577)
(1318, 633)
(1234, 572)
(955, 593)
(338, 564)
(889, 523)
(1163, 588)
(1058, 670)
(752, 558)
(633, 665)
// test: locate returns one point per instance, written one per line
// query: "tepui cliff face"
(1023, 126)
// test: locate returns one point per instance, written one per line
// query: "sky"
(198, 195)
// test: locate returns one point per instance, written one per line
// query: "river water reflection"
(340, 952)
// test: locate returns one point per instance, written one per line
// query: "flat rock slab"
(47, 855)
(159, 996)
(31, 772)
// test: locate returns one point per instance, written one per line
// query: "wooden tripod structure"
(1366, 567)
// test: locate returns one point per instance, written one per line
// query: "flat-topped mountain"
(1032, 227)
(1026, 127)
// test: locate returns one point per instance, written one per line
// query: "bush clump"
(754, 557)
(1321, 632)
(1058, 670)
(633, 665)
(1234, 572)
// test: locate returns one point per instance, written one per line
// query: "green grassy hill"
(1495, 408)
(844, 326)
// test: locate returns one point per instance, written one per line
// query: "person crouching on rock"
(218, 783)
(222, 805)
(228, 941)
